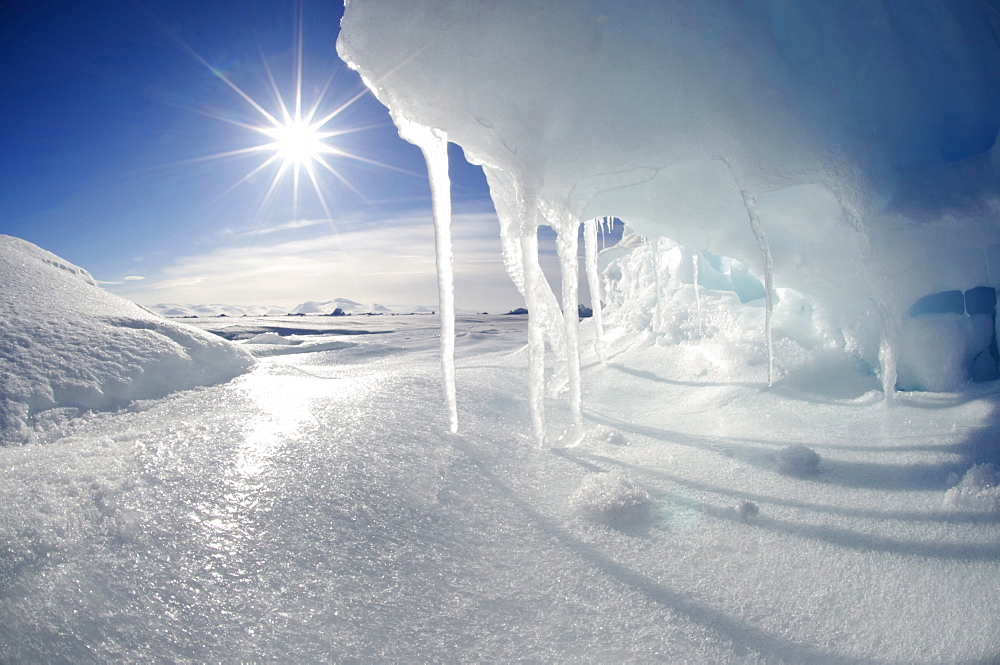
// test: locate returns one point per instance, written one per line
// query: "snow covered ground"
(67, 346)
(315, 509)
(311, 307)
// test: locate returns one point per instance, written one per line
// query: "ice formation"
(594, 283)
(67, 346)
(859, 138)
(434, 145)
(979, 490)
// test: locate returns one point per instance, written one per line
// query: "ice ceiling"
(851, 144)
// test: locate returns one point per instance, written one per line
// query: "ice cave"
(842, 156)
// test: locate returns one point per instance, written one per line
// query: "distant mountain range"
(311, 307)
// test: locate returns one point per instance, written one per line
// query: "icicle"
(567, 246)
(887, 359)
(750, 201)
(655, 247)
(434, 144)
(697, 296)
(533, 278)
(594, 282)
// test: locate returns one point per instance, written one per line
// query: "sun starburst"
(299, 139)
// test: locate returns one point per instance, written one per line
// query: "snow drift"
(844, 152)
(67, 346)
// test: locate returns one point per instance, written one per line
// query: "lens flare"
(299, 139)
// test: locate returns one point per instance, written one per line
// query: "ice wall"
(67, 346)
(858, 133)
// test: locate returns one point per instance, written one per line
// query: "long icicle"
(750, 201)
(594, 282)
(567, 246)
(434, 145)
(536, 324)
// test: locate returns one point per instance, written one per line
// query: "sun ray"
(336, 174)
(279, 99)
(238, 90)
(358, 158)
(299, 131)
(222, 155)
(298, 70)
(249, 176)
(319, 194)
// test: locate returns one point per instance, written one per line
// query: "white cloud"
(133, 278)
(391, 262)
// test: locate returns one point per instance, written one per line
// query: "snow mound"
(67, 346)
(798, 460)
(270, 338)
(612, 500)
(747, 510)
(979, 490)
(611, 437)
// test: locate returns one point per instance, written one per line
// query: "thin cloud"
(363, 262)
(280, 228)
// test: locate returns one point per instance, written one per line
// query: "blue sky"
(110, 114)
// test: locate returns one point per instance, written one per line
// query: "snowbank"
(67, 346)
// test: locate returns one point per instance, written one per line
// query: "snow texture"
(67, 346)
(315, 509)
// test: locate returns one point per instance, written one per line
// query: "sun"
(298, 143)
(299, 138)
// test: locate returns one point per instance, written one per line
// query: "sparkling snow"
(315, 509)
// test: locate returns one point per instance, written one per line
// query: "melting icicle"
(594, 282)
(434, 144)
(533, 278)
(887, 359)
(750, 201)
(697, 296)
(567, 246)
